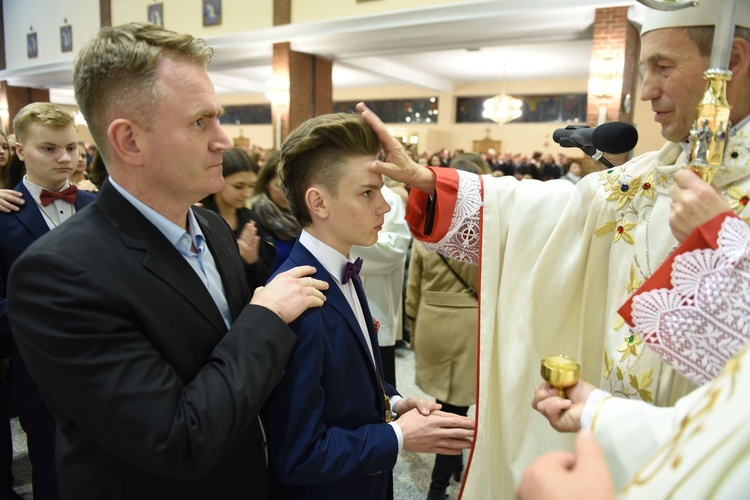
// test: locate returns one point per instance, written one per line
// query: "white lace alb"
(705, 318)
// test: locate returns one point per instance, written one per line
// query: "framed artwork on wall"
(211, 12)
(31, 45)
(156, 14)
(66, 38)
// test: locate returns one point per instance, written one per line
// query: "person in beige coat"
(441, 304)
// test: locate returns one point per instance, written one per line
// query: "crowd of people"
(540, 166)
(187, 323)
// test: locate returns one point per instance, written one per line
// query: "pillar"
(302, 85)
(614, 73)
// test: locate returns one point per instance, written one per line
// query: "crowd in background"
(540, 166)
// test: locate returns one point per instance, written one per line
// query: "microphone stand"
(597, 155)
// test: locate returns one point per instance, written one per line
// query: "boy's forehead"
(41, 132)
(357, 172)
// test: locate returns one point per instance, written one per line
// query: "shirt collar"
(333, 261)
(169, 229)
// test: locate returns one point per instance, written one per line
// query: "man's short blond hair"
(45, 113)
(115, 73)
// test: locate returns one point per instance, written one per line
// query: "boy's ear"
(315, 200)
(19, 152)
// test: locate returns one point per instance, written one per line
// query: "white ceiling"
(432, 48)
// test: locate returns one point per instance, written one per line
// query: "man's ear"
(124, 136)
(315, 199)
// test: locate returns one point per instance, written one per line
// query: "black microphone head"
(615, 137)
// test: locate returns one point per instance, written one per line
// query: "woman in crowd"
(240, 175)
(435, 161)
(79, 178)
(5, 155)
(269, 203)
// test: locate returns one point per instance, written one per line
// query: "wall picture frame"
(66, 38)
(211, 12)
(156, 14)
(32, 48)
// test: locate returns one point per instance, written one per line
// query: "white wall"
(46, 18)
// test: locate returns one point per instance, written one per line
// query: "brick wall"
(616, 45)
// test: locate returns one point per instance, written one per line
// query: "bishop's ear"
(739, 62)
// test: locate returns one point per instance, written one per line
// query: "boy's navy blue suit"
(327, 434)
(19, 230)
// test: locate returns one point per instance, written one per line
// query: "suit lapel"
(368, 321)
(29, 214)
(160, 257)
(336, 300)
(232, 275)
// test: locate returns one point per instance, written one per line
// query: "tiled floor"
(411, 475)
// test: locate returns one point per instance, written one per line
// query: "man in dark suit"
(47, 144)
(133, 318)
(331, 434)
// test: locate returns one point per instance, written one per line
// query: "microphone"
(613, 138)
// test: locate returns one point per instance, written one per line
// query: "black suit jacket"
(153, 397)
(256, 274)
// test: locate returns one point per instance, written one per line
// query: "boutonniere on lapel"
(376, 324)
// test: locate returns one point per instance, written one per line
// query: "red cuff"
(446, 193)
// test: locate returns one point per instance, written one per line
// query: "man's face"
(673, 80)
(49, 154)
(181, 141)
(356, 212)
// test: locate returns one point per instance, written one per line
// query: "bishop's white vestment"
(557, 261)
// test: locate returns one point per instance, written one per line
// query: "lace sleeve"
(702, 321)
(461, 242)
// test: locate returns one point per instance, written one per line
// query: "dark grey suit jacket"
(153, 396)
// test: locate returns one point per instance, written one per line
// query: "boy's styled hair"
(116, 71)
(314, 153)
(45, 113)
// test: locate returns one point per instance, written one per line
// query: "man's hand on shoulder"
(291, 293)
(10, 200)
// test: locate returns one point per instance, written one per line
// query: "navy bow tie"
(351, 270)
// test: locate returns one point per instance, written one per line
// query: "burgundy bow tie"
(70, 194)
(351, 270)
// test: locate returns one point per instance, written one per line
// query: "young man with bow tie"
(332, 433)
(47, 144)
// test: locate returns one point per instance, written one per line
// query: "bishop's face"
(673, 80)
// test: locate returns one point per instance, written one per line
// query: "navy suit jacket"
(327, 433)
(19, 230)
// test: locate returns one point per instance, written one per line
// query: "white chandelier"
(502, 108)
